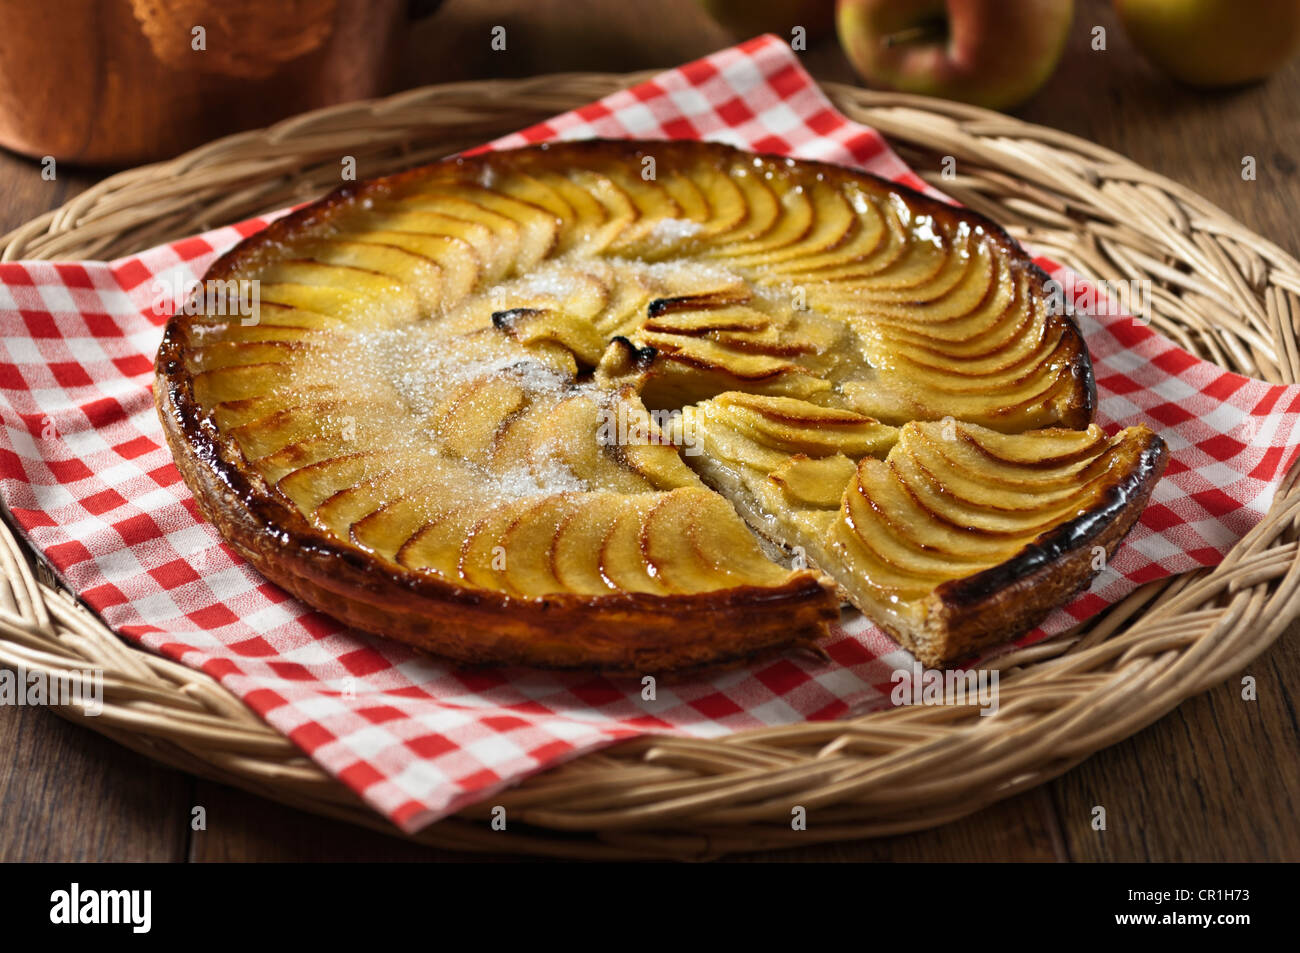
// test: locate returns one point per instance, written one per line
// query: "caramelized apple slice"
(467, 421)
(484, 561)
(228, 353)
(529, 541)
(822, 219)
(421, 274)
(458, 263)
(580, 534)
(531, 326)
(816, 482)
(310, 485)
(260, 438)
(693, 541)
(437, 545)
(797, 426)
(622, 559)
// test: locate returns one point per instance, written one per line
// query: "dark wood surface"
(1217, 779)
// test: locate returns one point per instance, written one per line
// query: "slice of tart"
(455, 417)
(949, 535)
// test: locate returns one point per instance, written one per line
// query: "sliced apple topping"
(544, 326)
(941, 507)
(800, 427)
(815, 482)
(565, 370)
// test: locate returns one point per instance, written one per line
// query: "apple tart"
(648, 406)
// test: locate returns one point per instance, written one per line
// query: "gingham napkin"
(84, 472)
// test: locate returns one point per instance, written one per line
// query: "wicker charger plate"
(1217, 289)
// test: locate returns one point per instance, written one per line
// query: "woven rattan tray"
(1218, 290)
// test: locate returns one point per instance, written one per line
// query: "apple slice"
(694, 542)
(695, 323)
(793, 228)
(402, 225)
(529, 541)
(575, 553)
(311, 484)
(1050, 449)
(387, 528)
(761, 202)
(893, 510)
(649, 451)
(686, 193)
(435, 547)
(237, 383)
(627, 307)
(658, 227)
(828, 224)
(891, 534)
(621, 560)
(260, 438)
(275, 466)
(484, 561)
(617, 210)
(458, 262)
(356, 282)
(798, 426)
(263, 332)
(532, 190)
(226, 354)
(419, 273)
(814, 481)
(729, 210)
(869, 237)
(507, 235)
(538, 227)
(711, 435)
(348, 505)
(876, 582)
(235, 413)
(531, 326)
(470, 433)
(348, 307)
(591, 227)
(273, 313)
(949, 264)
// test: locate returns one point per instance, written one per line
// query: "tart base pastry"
(475, 402)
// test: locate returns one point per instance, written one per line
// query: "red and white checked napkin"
(84, 472)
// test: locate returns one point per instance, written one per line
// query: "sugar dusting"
(668, 231)
(542, 477)
(406, 374)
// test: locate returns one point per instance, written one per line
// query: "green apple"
(994, 53)
(1213, 42)
(746, 18)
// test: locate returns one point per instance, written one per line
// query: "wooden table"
(1218, 779)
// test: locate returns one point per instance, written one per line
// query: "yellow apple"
(994, 53)
(1213, 42)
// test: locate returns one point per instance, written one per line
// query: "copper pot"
(113, 82)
